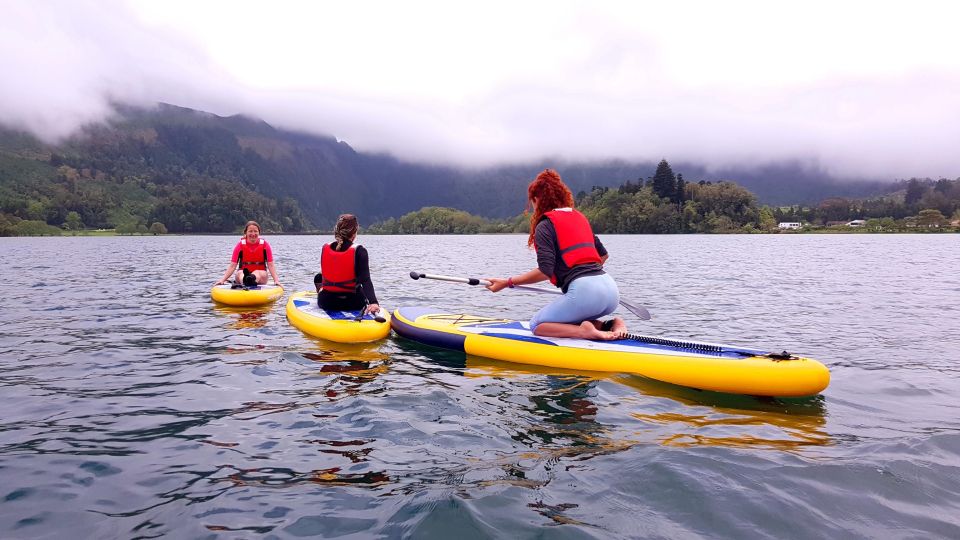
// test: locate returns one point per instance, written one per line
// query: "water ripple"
(134, 407)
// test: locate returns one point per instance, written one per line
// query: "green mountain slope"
(198, 172)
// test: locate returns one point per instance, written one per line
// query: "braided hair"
(345, 228)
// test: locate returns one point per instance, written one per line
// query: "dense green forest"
(666, 203)
(197, 182)
(170, 169)
(916, 202)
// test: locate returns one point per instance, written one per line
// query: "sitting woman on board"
(343, 283)
(251, 259)
(571, 257)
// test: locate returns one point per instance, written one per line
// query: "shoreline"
(110, 233)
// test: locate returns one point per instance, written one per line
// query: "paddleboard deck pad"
(706, 366)
(245, 296)
(340, 326)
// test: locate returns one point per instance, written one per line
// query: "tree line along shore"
(662, 204)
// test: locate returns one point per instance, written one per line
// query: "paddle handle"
(477, 281)
(468, 281)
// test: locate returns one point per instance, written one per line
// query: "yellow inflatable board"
(245, 297)
(340, 326)
(705, 366)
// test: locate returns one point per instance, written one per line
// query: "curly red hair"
(551, 193)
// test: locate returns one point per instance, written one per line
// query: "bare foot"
(619, 326)
(590, 331)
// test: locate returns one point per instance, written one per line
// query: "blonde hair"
(346, 227)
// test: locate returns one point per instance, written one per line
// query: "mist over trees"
(183, 171)
(666, 203)
(911, 199)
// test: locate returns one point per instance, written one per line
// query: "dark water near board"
(133, 407)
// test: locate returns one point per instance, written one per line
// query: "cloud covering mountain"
(857, 89)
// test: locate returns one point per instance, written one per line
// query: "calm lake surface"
(133, 407)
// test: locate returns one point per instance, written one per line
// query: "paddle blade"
(640, 311)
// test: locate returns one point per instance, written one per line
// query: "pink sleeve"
(236, 253)
(269, 251)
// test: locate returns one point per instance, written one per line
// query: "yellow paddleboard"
(244, 297)
(719, 368)
(340, 326)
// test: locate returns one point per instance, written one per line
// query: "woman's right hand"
(497, 284)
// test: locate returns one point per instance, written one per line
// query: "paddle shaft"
(639, 311)
(477, 281)
(366, 304)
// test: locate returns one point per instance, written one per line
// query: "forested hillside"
(667, 203)
(182, 170)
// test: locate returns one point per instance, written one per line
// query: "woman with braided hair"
(343, 283)
(571, 257)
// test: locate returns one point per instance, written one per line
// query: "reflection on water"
(354, 365)
(765, 423)
(277, 477)
(241, 318)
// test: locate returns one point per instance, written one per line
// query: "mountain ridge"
(174, 146)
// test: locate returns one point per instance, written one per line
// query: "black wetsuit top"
(550, 262)
(340, 301)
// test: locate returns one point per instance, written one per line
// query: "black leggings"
(341, 301)
(337, 301)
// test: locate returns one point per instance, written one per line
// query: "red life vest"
(252, 257)
(339, 269)
(574, 238)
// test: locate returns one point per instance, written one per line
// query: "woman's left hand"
(497, 284)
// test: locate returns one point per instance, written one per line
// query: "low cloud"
(578, 81)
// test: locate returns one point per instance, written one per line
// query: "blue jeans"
(587, 298)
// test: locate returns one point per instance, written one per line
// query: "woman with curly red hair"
(571, 257)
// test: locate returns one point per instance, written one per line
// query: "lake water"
(133, 407)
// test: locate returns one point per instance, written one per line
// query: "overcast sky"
(860, 88)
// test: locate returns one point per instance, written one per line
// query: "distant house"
(789, 225)
(857, 223)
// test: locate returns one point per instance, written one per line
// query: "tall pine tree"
(914, 191)
(664, 182)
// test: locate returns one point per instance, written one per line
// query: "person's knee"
(534, 323)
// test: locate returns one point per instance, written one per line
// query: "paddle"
(639, 311)
(366, 304)
(363, 312)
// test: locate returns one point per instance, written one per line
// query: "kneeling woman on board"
(571, 257)
(343, 283)
(251, 258)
